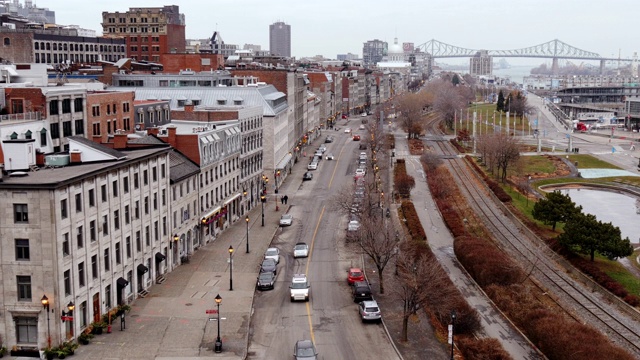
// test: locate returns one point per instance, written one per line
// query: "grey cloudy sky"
(333, 27)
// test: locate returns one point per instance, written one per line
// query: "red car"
(354, 274)
(356, 137)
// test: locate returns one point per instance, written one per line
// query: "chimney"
(153, 131)
(76, 156)
(172, 135)
(188, 108)
(120, 141)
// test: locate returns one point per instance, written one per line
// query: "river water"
(620, 209)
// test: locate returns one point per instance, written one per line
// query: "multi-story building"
(85, 235)
(151, 113)
(149, 32)
(481, 63)
(29, 11)
(373, 51)
(108, 113)
(280, 39)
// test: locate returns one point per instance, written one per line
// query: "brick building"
(109, 112)
(173, 63)
(149, 32)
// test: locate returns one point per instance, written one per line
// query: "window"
(7, 41)
(78, 202)
(125, 184)
(53, 108)
(63, 208)
(92, 197)
(67, 282)
(137, 209)
(79, 125)
(147, 237)
(43, 137)
(83, 314)
(17, 106)
(20, 213)
(155, 201)
(156, 231)
(164, 197)
(65, 246)
(94, 266)
(66, 128)
(164, 226)
(163, 171)
(26, 330)
(92, 230)
(138, 242)
(79, 237)
(126, 215)
(136, 181)
(116, 219)
(22, 249)
(154, 174)
(107, 296)
(81, 276)
(103, 191)
(118, 255)
(105, 225)
(145, 177)
(77, 103)
(107, 261)
(128, 245)
(24, 287)
(146, 205)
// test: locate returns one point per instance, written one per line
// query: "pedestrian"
(286, 199)
(282, 200)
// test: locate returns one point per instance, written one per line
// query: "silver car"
(369, 311)
(301, 250)
(273, 253)
(305, 350)
(286, 220)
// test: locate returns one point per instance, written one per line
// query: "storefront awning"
(283, 163)
(160, 257)
(232, 198)
(210, 213)
(142, 269)
(122, 282)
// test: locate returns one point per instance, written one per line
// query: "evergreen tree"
(455, 80)
(586, 235)
(500, 104)
(555, 208)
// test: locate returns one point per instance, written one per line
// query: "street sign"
(211, 311)
(67, 318)
(450, 335)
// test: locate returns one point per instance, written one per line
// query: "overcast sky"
(333, 27)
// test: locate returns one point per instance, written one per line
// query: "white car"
(361, 127)
(347, 130)
(273, 254)
(329, 156)
(354, 225)
(299, 288)
(360, 172)
(363, 155)
(322, 148)
(364, 114)
(301, 250)
(312, 166)
(286, 220)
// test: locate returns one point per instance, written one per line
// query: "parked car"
(361, 172)
(364, 114)
(362, 146)
(316, 158)
(301, 249)
(273, 253)
(363, 155)
(329, 156)
(354, 274)
(269, 265)
(347, 130)
(305, 350)
(307, 176)
(299, 288)
(353, 225)
(361, 291)
(369, 311)
(356, 137)
(286, 220)
(361, 127)
(312, 166)
(329, 139)
(266, 281)
(322, 148)
(318, 153)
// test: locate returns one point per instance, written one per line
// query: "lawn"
(590, 162)
(619, 273)
(537, 165)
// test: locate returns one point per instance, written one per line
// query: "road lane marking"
(336, 167)
(306, 271)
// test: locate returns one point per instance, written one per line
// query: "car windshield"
(286, 217)
(300, 247)
(371, 309)
(356, 274)
(305, 352)
(299, 285)
(272, 252)
(265, 276)
(268, 262)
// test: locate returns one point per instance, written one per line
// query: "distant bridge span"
(554, 49)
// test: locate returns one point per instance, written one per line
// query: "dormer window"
(222, 102)
(14, 136)
(27, 135)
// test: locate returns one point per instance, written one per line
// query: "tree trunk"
(405, 325)
(554, 226)
(593, 253)
(381, 279)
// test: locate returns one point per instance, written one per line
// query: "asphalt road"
(330, 318)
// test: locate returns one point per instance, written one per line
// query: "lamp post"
(218, 346)
(244, 195)
(45, 305)
(176, 252)
(68, 315)
(453, 327)
(230, 268)
(247, 220)
(277, 176)
(263, 199)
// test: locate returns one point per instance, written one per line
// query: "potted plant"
(69, 346)
(98, 327)
(84, 338)
(3, 350)
(50, 353)
(61, 352)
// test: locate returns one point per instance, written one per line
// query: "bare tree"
(447, 100)
(499, 152)
(419, 278)
(377, 240)
(410, 106)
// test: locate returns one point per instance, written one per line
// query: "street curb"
(384, 325)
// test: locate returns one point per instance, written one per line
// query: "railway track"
(583, 304)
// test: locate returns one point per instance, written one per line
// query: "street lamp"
(263, 199)
(247, 220)
(45, 305)
(453, 326)
(230, 268)
(218, 346)
(244, 196)
(68, 315)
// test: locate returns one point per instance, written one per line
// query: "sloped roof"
(180, 167)
(98, 147)
(252, 96)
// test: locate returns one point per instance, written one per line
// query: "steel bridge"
(554, 49)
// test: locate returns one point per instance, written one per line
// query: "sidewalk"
(441, 243)
(171, 322)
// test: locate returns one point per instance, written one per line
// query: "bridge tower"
(634, 64)
(554, 66)
(602, 66)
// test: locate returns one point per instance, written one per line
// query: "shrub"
(416, 231)
(486, 263)
(482, 349)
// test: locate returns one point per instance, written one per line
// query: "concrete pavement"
(171, 322)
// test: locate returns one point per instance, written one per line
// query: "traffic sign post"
(211, 311)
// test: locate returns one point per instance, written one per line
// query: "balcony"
(28, 116)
